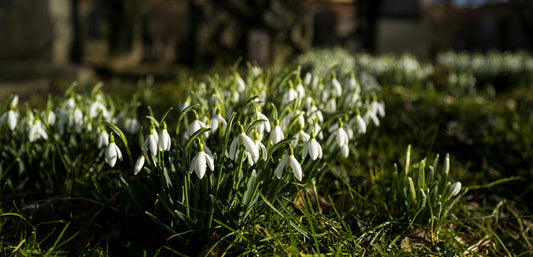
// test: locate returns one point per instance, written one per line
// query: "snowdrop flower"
(300, 89)
(314, 113)
(37, 131)
(370, 115)
(70, 103)
(290, 95)
(112, 152)
(199, 161)
(217, 120)
(131, 125)
(76, 119)
(103, 138)
(263, 126)
(151, 142)
(51, 118)
(454, 189)
(260, 146)
(98, 107)
(186, 104)
(312, 148)
(377, 107)
(11, 118)
(277, 133)
(243, 140)
(290, 162)
(164, 139)
(341, 139)
(241, 86)
(139, 164)
(300, 136)
(358, 123)
(334, 86)
(331, 105)
(195, 125)
(351, 84)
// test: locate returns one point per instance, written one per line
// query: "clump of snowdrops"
(241, 143)
(46, 151)
(496, 68)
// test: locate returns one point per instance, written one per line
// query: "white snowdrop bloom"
(69, 103)
(300, 136)
(331, 105)
(290, 162)
(308, 78)
(11, 118)
(15, 101)
(112, 152)
(151, 142)
(164, 139)
(260, 146)
(263, 126)
(131, 125)
(200, 162)
(358, 123)
(195, 125)
(186, 104)
(76, 119)
(334, 86)
(300, 89)
(256, 71)
(139, 164)
(339, 135)
(243, 140)
(277, 134)
(217, 120)
(314, 113)
(377, 108)
(103, 138)
(312, 148)
(51, 118)
(289, 95)
(98, 107)
(370, 115)
(454, 189)
(350, 83)
(37, 131)
(316, 127)
(241, 86)
(345, 151)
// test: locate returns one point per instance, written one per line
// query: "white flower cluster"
(490, 64)
(315, 116)
(76, 117)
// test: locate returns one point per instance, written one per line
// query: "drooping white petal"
(345, 151)
(119, 153)
(164, 140)
(200, 165)
(152, 143)
(138, 165)
(11, 119)
(210, 162)
(249, 145)
(111, 155)
(193, 163)
(296, 168)
(314, 149)
(276, 135)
